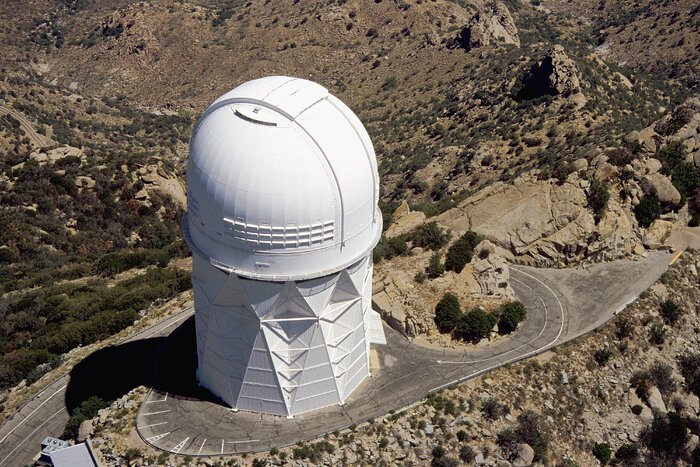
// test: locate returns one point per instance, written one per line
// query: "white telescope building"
(282, 217)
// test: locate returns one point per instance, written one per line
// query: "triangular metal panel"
(334, 310)
(262, 382)
(358, 274)
(344, 289)
(261, 294)
(290, 304)
(317, 292)
(232, 294)
(289, 332)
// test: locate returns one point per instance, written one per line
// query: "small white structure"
(282, 219)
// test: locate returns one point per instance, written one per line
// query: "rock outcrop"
(494, 24)
(544, 223)
(555, 74)
(155, 177)
(666, 192)
(52, 155)
(405, 220)
(491, 271)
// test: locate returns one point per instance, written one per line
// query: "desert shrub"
(532, 430)
(429, 236)
(467, 454)
(435, 267)
(666, 435)
(659, 374)
(657, 334)
(620, 157)
(680, 117)
(116, 262)
(132, 454)
(623, 328)
(492, 409)
(511, 314)
(461, 251)
(85, 411)
(637, 409)
(602, 356)
(475, 325)
(447, 313)
(670, 311)
(388, 248)
(689, 365)
(627, 454)
(598, 196)
(602, 452)
(648, 209)
(442, 403)
(462, 436)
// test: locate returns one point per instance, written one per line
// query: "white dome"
(282, 182)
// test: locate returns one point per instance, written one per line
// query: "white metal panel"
(376, 330)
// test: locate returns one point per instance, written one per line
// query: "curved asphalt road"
(36, 139)
(562, 304)
(46, 414)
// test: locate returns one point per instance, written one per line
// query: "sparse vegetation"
(461, 251)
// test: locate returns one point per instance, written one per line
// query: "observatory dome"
(282, 182)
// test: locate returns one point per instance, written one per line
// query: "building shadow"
(166, 364)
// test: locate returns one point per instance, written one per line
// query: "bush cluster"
(531, 429)
(53, 320)
(461, 251)
(476, 324)
(429, 236)
(85, 411)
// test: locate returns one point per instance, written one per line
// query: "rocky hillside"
(544, 127)
(626, 394)
(624, 32)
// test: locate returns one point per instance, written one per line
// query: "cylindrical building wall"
(282, 347)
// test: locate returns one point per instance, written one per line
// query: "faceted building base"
(283, 347)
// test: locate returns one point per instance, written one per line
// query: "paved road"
(46, 414)
(37, 140)
(179, 417)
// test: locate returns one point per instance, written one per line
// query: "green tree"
(475, 325)
(602, 452)
(447, 313)
(598, 197)
(461, 251)
(648, 209)
(666, 435)
(435, 267)
(670, 311)
(689, 365)
(511, 314)
(429, 236)
(627, 454)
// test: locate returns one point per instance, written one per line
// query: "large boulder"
(85, 430)
(156, 178)
(491, 271)
(524, 455)
(404, 224)
(555, 74)
(657, 233)
(494, 24)
(665, 190)
(655, 400)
